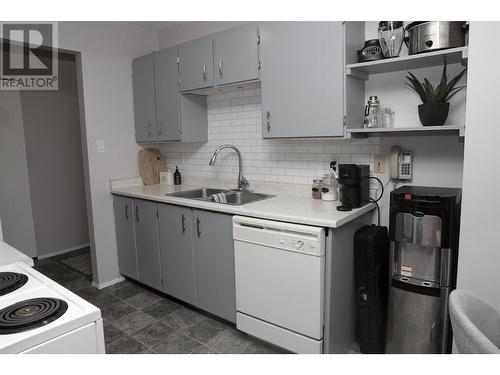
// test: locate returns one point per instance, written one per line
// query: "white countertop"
(295, 208)
(10, 255)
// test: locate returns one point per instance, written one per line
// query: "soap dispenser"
(177, 176)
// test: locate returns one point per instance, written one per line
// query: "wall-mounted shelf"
(422, 60)
(420, 130)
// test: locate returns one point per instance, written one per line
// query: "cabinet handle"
(204, 72)
(160, 132)
(137, 213)
(198, 231)
(183, 224)
(220, 68)
(268, 120)
(126, 211)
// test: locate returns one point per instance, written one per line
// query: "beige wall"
(191, 30)
(15, 203)
(479, 256)
(55, 164)
(107, 50)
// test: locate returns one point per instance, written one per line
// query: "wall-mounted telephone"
(401, 164)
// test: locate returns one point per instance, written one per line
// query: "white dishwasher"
(279, 271)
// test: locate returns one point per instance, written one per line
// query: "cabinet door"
(215, 263)
(177, 253)
(125, 239)
(166, 77)
(236, 55)
(144, 102)
(196, 64)
(147, 241)
(302, 79)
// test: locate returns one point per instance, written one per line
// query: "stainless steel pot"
(425, 36)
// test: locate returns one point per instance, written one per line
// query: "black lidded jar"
(177, 176)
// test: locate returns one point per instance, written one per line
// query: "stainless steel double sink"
(233, 197)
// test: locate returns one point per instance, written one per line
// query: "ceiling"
(157, 25)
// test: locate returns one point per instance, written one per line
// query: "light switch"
(379, 164)
(100, 146)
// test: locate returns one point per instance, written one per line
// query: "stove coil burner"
(10, 281)
(29, 314)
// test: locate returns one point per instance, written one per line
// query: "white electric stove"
(37, 315)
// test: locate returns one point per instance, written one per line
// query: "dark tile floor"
(139, 320)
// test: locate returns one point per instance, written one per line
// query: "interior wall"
(15, 203)
(55, 164)
(479, 256)
(107, 50)
(236, 118)
(192, 30)
(437, 161)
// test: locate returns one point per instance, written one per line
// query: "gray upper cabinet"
(196, 64)
(144, 107)
(177, 253)
(161, 113)
(125, 239)
(166, 96)
(214, 256)
(236, 55)
(147, 243)
(302, 79)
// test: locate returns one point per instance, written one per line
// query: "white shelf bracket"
(357, 74)
(465, 56)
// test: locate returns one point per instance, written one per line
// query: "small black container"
(177, 176)
(433, 114)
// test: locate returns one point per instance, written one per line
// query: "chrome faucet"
(242, 181)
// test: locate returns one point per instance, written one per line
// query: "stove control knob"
(300, 245)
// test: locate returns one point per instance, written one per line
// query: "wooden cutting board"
(150, 165)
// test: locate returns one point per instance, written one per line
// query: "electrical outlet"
(379, 164)
(100, 146)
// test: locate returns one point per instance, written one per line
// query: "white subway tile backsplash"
(235, 118)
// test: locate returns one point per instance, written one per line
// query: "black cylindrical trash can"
(371, 262)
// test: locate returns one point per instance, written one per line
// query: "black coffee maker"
(354, 183)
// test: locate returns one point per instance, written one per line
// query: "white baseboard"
(107, 283)
(59, 252)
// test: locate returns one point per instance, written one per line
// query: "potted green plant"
(435, 99)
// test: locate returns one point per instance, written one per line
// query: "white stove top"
(78, 314)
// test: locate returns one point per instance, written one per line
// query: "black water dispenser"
(423, 232)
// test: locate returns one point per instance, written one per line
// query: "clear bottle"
(316, 188)
(387, 118)
(329, 188)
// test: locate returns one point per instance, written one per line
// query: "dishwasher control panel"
(292, 237)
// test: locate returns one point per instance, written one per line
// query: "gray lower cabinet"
(144, 106)
(236, 54)
(214, 255)
(177, 252)
(302, 79)
(125, 237)
(147, 243)
(196, 64)
(184, 252)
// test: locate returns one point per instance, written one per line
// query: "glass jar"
(316, 188)
(387, 118)
(329, 188)
(391, 35)
(372, 113)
